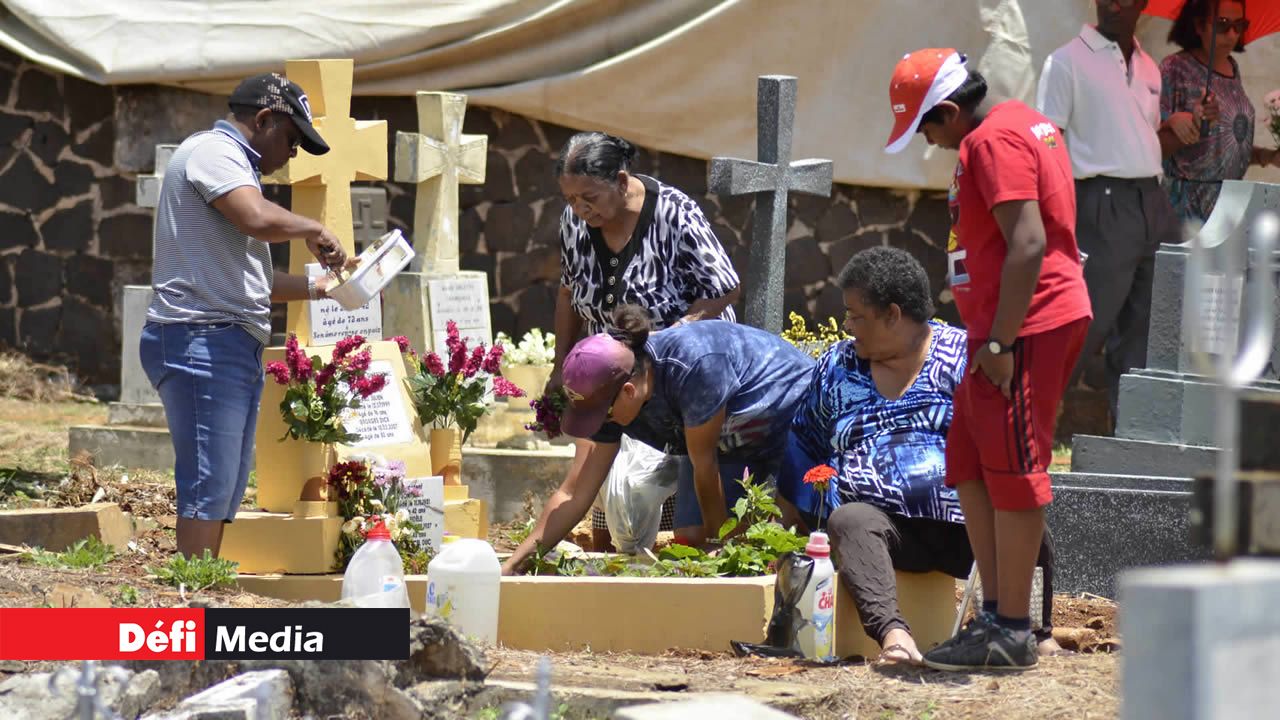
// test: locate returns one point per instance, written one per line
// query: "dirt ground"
(33, 462)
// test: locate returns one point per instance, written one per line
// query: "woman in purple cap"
(721, 393)
(629, 239)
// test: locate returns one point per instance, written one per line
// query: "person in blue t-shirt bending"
(721, 393)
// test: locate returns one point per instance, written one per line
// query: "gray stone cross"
(773, 175)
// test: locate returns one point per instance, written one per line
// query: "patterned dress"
(1193, 175)
(672, 260)
(887, 453)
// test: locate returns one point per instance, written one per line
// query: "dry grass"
(22, 379)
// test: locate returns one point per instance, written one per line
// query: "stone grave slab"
(711, 706)
(1104, 524)
(1201, 642)
(264, 542)
(427, 509)
(712, 612)
(330, 322)
(1161, 406)
(56, 529)
(771, 176)
(1094, 454)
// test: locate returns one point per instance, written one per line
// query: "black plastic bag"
(794, 572)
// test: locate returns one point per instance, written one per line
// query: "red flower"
(474, 362)
(493, 363)
(820, 476)
(403, 342)
(504, 388)
(452, 340)
(433, 364)
(346, 345)
(457, 357)
(370, 384)
(279, 371)
(360, 361)
(324, 376)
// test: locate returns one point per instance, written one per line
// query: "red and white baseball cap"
(921, 80)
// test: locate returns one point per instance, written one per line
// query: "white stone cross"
(437, 158)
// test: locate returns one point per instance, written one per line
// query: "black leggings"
(869, 544)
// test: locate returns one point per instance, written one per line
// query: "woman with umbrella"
(1208, 119)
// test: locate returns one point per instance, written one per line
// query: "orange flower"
(820, 476)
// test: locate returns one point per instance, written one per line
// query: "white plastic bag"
(642, 478)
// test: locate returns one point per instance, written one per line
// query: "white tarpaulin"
(676, 75)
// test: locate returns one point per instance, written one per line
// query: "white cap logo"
(306, 105)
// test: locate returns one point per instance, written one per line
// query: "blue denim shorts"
(688, 514)
(209, 378)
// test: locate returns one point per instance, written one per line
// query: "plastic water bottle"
(817, 607)
(462, 588)
(375, 576)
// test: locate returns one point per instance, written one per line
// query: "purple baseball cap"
(594, 372)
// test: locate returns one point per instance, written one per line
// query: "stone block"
(503, 478)
(24, 189)
(81, 334)
(135, 388)
(519, 271)
(281, 543)
(125, 693)
(1257, 512)
(499, 185)
(38, 92)
(38, 277)
(72, 178)
(141, 414)
(507, 227)
(8, 325)
(99, 146)
(536, 175)
(712, 611)
(806, 263)
(839, 221)
(515, 132)
(47, 142)
(1103, 524)
(127, 235)
(38, 328)
(711, 706)
(1124, 456)
(124, 445)
(158, 114)
(470, 230)
(257, 695)
(877, 206)
(90, 277)
(56, 529)
(547, 233)
(1170, 407)
(482, 263)
(1201, 642)
(16, 230)
(844, 248)
(537, 307)
(466, 518)
(927, 602)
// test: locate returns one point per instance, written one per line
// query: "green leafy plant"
(127, 595)
(750, 551)
(196, 573)
(455, 397)
(318, 396)
(88, 553)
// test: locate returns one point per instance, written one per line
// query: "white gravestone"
(381, 418)
(330, 322)
(418, 304)
(427, 509)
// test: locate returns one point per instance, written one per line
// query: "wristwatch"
(996, 348)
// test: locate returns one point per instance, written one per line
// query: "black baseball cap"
(276, 93)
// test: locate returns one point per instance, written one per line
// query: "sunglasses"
(1224, 25)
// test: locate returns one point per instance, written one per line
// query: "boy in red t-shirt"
(1016, 276)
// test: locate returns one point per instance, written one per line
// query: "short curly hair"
(1184, 33)
(890, 276)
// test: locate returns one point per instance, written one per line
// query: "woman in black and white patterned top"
(628, 239)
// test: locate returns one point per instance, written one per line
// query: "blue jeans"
(689, 514)
(209, 377)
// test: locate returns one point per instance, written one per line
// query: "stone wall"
(71, 236)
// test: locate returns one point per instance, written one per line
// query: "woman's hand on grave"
(1184, 127)
(997, 368)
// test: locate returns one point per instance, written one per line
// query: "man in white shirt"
(1103, 91)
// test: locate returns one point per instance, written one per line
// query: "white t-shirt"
(1108, 109)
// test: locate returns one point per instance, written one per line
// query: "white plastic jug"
(375, 575)
(462, 588)
(817, 607)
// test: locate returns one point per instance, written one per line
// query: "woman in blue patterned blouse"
(878, 410)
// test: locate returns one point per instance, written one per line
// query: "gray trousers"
(1120, 223)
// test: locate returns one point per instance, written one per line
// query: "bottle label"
(824, 615)
(391, 582)
(438, 603)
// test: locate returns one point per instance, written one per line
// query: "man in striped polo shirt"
(214, 285)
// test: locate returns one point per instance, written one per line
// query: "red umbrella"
(1263, 15)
